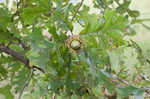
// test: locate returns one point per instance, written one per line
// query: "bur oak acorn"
(75, 44)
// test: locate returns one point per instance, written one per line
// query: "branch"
(55, 96)
(38, 68)
(21, 43)
(77, 10)
(75, 14)
(107, 94)
(18, 56)
(146, 78)
(17, 12)
(147, 90)
(15, 54)
(146, 26)
(27, 83)
(121, 80)
(117, 80)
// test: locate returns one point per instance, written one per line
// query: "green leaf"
(92, 21)
(129, 90)
(20, 79)
(133, 13)
(53, 31)
(122, 8)
(31, 13)
(3, 72)
(103, 78)
(5, 18)
(138, 97)
(140, 20)
(109, 16)
(45, 3)
(40, 49)
(4, 36)
(103, 3)
(114, 22)
(114, 26)
(6, 91)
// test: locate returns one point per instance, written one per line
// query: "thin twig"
(80, 23)
(69, 64)
(18, 4)
(76, 13)
(55, 96)
(38, 68)
(147, 90)
(146, 26)
(77, 10)
(27, 83)
(21, 43)
(17, 12)
(145, 78)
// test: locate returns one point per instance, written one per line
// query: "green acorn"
(75, 44)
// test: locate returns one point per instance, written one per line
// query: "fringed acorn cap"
(75, 44)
